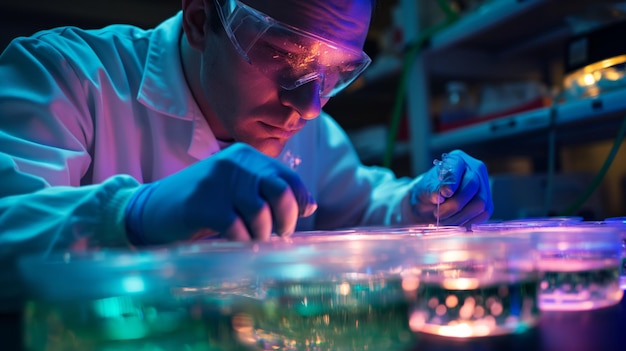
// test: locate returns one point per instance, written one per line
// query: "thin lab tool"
(442, 169)
(291, 160)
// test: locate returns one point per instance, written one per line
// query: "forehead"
(342, 21)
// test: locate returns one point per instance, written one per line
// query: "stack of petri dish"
(317, 292)
(374, 288)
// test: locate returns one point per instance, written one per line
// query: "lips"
(279, 132)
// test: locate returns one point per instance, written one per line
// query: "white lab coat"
(88, 115)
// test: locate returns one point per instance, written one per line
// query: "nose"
(305, 99)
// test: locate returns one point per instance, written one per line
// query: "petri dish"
(322, 294)
(414, 230)
(579, 266)
(513, 225)
(122, 300)
(372, 233)
(475, 286)
(620, 224)
(325, 292)
(558, 220)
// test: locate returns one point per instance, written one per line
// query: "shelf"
(481, 22)
(607, 104)
(582, 114)
(517, 124)
(501, 25)
(505, 39)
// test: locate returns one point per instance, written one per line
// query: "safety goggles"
(288, 55)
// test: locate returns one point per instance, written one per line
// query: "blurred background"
(535, 88)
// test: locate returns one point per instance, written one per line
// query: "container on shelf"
(458, 105)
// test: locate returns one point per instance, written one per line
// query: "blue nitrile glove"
(463, 192)
(238, 193)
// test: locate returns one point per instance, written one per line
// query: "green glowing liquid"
(344, 315)
(131, 323)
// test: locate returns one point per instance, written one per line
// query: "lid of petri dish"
(558, 219)
(512, 225)
(99, 274)
(212, 266)
(415, 230)
(373, 233)
(583, 237)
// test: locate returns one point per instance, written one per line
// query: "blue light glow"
(133, 284)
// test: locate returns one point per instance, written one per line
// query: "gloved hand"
(463, 192)
(238, 193)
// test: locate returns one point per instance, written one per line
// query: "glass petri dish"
(579, 265)
(376, 233)
(328, 292)
(282, 295)
(475, 286)
(620, 224)
(559, 220)
(514, 225)
(122, 300)
(414, 230)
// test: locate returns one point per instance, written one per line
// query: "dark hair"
(214, 19)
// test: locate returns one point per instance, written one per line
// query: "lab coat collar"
(165, 90)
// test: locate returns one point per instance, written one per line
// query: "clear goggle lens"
(287, 55)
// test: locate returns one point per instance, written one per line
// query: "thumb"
(433, 188)
(306, 203)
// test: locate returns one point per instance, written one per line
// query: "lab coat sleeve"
(45, 133)
(352, 194)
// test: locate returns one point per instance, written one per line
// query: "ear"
(195, 17)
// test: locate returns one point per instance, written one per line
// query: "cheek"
(228, 74)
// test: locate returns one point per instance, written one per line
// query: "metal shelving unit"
(503, 39)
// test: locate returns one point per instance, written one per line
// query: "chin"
(270, 147)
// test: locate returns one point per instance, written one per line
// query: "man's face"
(251, 107)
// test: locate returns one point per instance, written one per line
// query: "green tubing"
(409, 58)
(570, 210)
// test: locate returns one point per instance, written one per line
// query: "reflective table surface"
(602, 329)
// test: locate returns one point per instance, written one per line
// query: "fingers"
(272, 204)
(481, 218)
(456, 168)
(474, 212)
(283, 203)
(276, 203)
(306, 203)
(459, 201)
(237, 231)
(467, 190)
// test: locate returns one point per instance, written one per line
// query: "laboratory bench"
(601, 330)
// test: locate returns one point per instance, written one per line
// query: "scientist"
(122, 136)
